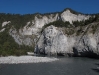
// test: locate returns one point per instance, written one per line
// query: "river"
(63, 66)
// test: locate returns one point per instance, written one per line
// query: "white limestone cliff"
(53, 41)
(5, 23)
(68, 16)
(34, 28)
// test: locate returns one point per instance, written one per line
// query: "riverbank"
(25, 59)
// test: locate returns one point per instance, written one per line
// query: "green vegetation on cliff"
(8, 46)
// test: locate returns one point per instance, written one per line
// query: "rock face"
(68, 16)
(32, 30)
(5, 23)
(22, 39)
(54, 42)
(86, 46)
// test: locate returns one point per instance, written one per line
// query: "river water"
(63, 66)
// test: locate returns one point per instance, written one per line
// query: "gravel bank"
(25, 59)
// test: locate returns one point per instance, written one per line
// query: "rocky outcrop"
(53, 41)
(32, 30)
(68, 16)
(22, 39)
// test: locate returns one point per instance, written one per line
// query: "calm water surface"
(64, 66)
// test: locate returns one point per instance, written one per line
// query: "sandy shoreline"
(25, 59)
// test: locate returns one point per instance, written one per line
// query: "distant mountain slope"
(23, 32)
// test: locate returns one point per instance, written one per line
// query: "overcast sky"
(47, 6)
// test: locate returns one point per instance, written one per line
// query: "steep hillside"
(22, 33)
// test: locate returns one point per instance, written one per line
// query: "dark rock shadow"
(60, 54)
(85, 53)
(89, 54)
(75, 52)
